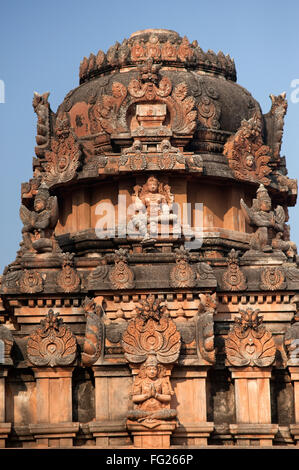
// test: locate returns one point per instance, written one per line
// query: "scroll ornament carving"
(249, 343)
(151, 343)
(205, 328)
(182, 274)
(94, 333)
(98, 276)
(52, 344)
(68, 278)
(247, 155)
(31, 282)
(121, 276)
(272, 278)
(233, 279)
(64, 157)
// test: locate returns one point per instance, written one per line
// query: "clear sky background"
(42, 43)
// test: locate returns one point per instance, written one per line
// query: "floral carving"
(31, 282)
(170, 155)
(68, 278)
(151, 331)
(233, 279)
(135, 155)
(64, 157)
(272, 278)
(249, 343)
(94, 333)
(247, 155)
(182, 275)
(52, 343)
(121, 276)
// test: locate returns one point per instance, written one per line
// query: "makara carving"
(249, 343)
(94, 333)
(52, 343)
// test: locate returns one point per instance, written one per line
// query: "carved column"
(190, 382)
(112, 389)
(6, 343)
(250, 351)
(152, 345)
(52, 349)
(291, 342)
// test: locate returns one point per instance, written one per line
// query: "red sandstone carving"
(233, 279)
(247, 156)
(52, 344)
(94, 334)
(182, 275)
(31, 282)
(68, 279)
(249, 343)
(121, 276)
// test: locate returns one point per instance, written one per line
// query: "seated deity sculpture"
(153, 202)
(151, 394)
(39, 224)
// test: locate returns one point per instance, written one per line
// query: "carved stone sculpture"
(52, 343)
(98, 276)
(64, 157)
(6, 344)
(152, 344)
(247, 155)
(42, 109)
(39, 224)
(291, 344)
(205, 328)
(153, 201)
(233, 279)
(121, 276)
(31, 282)
(272, 278)
(68, 278)
(249, 343)
(182, 274)
(262, 218)
(94, 333)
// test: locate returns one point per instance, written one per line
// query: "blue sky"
(43, 42)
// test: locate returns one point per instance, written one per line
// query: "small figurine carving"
(154, 202)
(42, 109)
(152, 394)
(262, 218)
(249, 343)
(205, 328)
(39, 224)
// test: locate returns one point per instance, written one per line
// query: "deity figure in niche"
(153, 202)
(39, 224)
(152, 394)
(268, 224)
